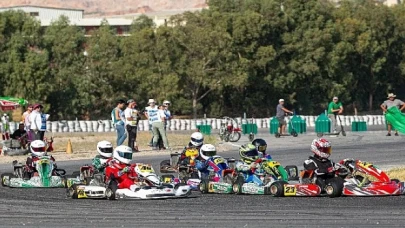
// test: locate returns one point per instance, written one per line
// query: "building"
(122, 23)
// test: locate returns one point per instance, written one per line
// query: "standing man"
(280, 114)
(168, 115)
(156, 119)
(26, 120)
(390, 103)
(118, 119)
(38, 122)
(131, 124)
(334, 108)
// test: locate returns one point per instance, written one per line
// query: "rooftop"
(43, 7)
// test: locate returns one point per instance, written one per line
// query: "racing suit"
(185, 160)
(323, 168)
(124, 174)
(99, 163)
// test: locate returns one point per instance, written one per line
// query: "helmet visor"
(125, 155)
(210, 153)
(197, 140)
(262, 148)
(327, 150)
(38, 149)
(252, 153)
(107, 150)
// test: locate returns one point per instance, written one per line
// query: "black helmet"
(260, 144)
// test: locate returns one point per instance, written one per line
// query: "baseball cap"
(335, 98)
(280, 100)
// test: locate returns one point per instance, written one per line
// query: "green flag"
(396, 118)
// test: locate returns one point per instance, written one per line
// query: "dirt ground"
(84, 145)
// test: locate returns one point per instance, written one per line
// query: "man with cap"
(156, 120)
(118, 119)
(38, 122)
(390, 103)
(280, 114)
(335, 107)
(131, 123)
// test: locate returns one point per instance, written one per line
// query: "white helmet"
(207, 151)
(197, 139)
(321, 147)
(38, 148)
(105, 149)
(123, 154)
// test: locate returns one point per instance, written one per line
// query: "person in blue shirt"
(118, 119)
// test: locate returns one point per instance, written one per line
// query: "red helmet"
(321, 147)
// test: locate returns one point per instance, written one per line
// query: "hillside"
(93, 8)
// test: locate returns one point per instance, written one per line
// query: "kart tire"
(237, 186)
(334, 187)
(238, 135)
(111, 190)
(277, 188)
(294, 133)
(203, 186)
(5, 175)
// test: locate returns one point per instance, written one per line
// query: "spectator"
(131, 124)
(118, 119)
(25, 118)
(280, 110)
(156, 118)
(38, 122)
(168, 115)
(5, 127)
(391, 102)
(334, 108)
(151, 104)
(20, 134)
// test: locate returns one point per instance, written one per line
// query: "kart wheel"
(5, 179)
(334, 187)
(203, 186)
(294, 134)
(72, 192)
(236, 136)
(277, 135)
(277, 188)
(111, 190)
(319, 134)
(343, 133)
(237, 186)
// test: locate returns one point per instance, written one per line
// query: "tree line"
(237, 56)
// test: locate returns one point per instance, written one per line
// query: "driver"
(261, 146)
(250, 158)
(100, 161)
(38, 149)
(121, 170)
(207, 151)
(196, 141)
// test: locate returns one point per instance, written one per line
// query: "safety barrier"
(190, 124)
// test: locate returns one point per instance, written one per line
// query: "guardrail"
(188, 124)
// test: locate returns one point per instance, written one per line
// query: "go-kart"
(47, 175)
(219, 176)
(150, 187)
(357, 182)
(185, 170)
(259, 179)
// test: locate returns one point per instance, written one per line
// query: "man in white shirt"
(156, 118)
(131, 124)
(38, 122)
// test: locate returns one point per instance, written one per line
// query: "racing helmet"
(123, 154)
(321, 148)
(38, 148)
(260, 144)
(207, 151)
(197, 139)
(105, 149)
(248, 153)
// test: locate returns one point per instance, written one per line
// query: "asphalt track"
(51, 207)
